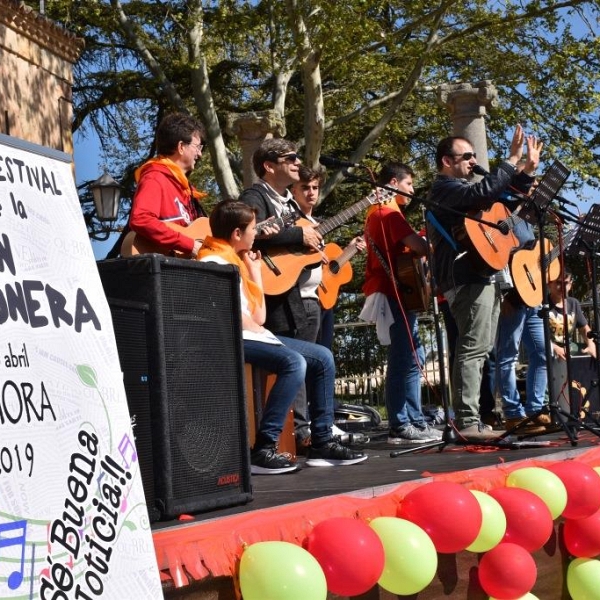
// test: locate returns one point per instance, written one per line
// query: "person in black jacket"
(473, 295)
(277, 164)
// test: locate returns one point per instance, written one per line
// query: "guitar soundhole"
(334, 267)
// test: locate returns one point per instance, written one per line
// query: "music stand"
(548, 187)
(586, 243)
(535, 211)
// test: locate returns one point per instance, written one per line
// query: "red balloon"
(582, 536)
(528, 520)
(507, 571)
(448, 513)
(583, 488)
(350, 554)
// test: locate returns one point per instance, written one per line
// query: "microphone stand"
(449, 435)
(568, 421)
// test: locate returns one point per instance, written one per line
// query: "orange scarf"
(176, 171)
(216, 246)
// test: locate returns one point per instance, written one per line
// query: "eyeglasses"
(465, 155)
(291, 158)
(197, 147)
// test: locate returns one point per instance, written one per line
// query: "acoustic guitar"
(414, 281)
(336, 272)
(281, 266)
(489, 248)
(526, 269)
(135, 244)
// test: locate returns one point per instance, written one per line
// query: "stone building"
(36, 77)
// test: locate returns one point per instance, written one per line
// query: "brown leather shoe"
(478, 432)
(531, 428)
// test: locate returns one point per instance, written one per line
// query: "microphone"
(336, 163)
(565, 201)
(479, 170)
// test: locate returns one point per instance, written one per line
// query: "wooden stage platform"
(197, 556)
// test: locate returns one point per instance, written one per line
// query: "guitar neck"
(281, 222)
(333, 222)
(347, 255)
(554, 253)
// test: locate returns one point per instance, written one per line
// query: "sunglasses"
(291, 158)
(465, 155)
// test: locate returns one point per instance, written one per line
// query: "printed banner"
(73, 520)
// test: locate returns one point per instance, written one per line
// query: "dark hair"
(228, 215)
(445, 147)
(393, 170)
(175, 128)
(270, 150)
(307, 174)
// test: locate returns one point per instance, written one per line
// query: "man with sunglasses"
(473, 297)
(277, 164)
(164, 194)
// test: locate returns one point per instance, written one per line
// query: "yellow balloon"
(542, 483)
(410, 557)
(493, 523)
(281, 571)
(583, 575)
(528, 596)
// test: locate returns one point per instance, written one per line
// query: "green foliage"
(543, 57)
(380, 65)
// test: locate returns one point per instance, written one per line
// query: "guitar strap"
(381, 258)
(429, 216)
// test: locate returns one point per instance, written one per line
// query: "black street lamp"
(107, 195)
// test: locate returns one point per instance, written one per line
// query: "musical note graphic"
(126, 446)
(7, 540)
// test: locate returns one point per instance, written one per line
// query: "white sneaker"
(430, 431)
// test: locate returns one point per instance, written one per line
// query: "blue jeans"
(516, 324)
(403, 376)
(308, 331)
(294, 363)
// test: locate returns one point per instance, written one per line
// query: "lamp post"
(107, 195)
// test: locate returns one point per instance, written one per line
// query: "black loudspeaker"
(183, 367)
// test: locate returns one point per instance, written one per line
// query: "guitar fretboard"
(345, 215)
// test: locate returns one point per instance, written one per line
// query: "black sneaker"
(333, 454)
(267, 461)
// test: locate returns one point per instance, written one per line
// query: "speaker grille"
(129, 321)
(196, 377)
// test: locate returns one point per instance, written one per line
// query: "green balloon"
(493, 523)
(583, 575)
(410, 557)
(281, 571)
(542, 483)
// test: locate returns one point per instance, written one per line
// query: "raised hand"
(534, 147)
(516, 145)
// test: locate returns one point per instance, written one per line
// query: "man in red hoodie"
(164, 195)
